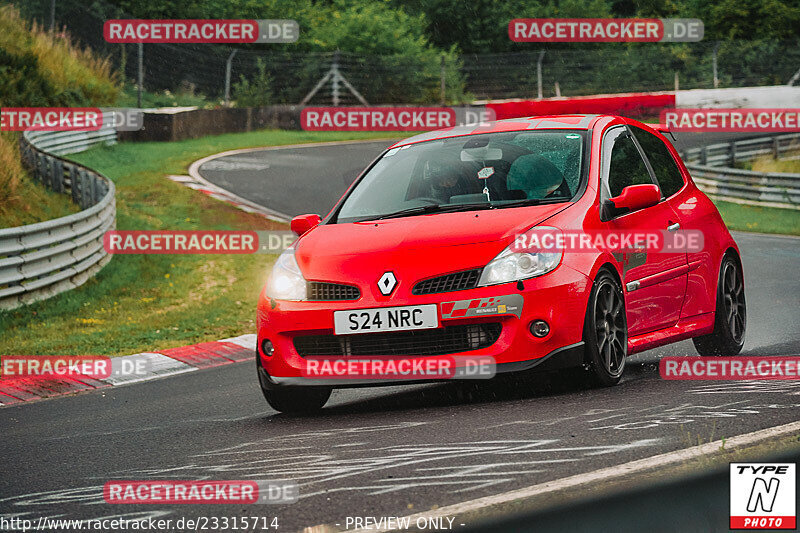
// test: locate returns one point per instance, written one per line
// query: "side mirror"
(633, 198)
(302, 223)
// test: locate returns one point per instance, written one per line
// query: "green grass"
(39, 204)
(22, 200)
(767, 164)
(759, 219)
(150, 302)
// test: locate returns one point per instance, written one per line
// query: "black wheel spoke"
(733, 293)
(620, 350)
(609, 301)
(601, 341)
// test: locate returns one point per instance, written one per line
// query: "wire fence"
(571, 70)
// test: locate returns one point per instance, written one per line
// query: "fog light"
(540, 328)
(267, 348)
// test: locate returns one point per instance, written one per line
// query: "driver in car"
(445, 180)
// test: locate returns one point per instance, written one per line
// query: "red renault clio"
(421, 258)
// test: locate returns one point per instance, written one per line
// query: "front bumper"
(559, 298)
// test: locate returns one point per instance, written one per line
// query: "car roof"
(540, 122)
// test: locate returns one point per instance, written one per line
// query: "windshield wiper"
(433, 208)
(534, 201)
(450, 208)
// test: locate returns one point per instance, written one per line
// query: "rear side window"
(627, 166)
(666, 170)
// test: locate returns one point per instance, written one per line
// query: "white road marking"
(604, 474)
(245, 341)
(155, 365)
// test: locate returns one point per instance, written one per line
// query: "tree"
(254, 93)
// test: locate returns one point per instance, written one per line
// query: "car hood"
(423, 245)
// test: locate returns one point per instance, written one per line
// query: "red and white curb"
(159, 364)
(218, 193)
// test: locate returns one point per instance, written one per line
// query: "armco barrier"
(70, 142)
(629, 104)
(167, 125)
(40, 260)
(709, 168)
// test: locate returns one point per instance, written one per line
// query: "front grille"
(457, 281)
(321, 290)
(439, 341)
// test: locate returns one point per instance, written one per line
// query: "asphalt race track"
(384, 451)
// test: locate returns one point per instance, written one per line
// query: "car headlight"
(286, 282)
(515, 263)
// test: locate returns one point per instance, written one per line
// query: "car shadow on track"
(500, 389)
(779, 349)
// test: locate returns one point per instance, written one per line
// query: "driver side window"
(627, 166)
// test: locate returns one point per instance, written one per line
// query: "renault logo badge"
(387, 283)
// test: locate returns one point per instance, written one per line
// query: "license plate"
(385, 319)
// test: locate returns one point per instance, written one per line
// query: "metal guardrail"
(40, 260)
(70, 142)
(709, 168)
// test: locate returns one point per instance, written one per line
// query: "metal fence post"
(539, 74)
(58, 175)
(228, 77)
(442, 73)
(714, 64)
(141, 76)
(335, 80)
(776, 148)
(75, 184)
(733, 153)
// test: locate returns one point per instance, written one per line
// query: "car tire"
(292, 400)
(730, 315)
(297, 400)
(605, 331)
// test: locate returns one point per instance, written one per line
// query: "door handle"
(674, 227)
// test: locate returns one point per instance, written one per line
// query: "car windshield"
(472, 172)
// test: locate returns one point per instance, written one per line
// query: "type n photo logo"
(763, 496)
